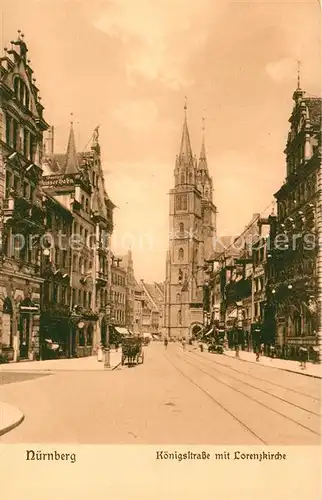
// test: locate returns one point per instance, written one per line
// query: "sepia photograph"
(160, 227)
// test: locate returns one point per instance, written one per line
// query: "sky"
(127, 66)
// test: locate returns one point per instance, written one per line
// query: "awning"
(122, 331)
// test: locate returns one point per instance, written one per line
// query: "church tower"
(208, 209)
(183, 292)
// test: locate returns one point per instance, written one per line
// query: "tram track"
(210, 364)
(254, 400)
(314, 398)
(214, 400)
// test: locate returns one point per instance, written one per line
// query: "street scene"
(175, 396)
(160, 226)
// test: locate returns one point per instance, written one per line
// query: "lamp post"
(107, 358)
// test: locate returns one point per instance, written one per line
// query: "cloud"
(282, 70)
(159, 37)
(137, 115)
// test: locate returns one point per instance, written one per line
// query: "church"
(192, 228)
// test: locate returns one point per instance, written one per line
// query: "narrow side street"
(176, 396)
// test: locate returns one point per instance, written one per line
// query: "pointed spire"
(298, 74)
(71, 164)
(185, 147)
(202, 158)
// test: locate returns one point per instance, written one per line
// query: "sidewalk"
(312, 370)
(88, 363)
(10, 417)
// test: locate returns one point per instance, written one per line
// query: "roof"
(223, 244)
(154, 293)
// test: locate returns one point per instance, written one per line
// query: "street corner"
(10, 417)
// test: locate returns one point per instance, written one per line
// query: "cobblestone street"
(183, 397)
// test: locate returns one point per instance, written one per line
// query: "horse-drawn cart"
(132, 350)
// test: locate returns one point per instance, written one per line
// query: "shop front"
(28, 330)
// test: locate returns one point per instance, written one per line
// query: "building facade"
(76, 182)
(293, 281)
(192, 221)
(22, 216)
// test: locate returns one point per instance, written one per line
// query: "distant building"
(138, 308)
(152, 307)
(118, 292)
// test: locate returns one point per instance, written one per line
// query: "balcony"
(22, 212)
(101, 279)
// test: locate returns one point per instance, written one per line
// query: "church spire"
(185, 147)
(202, 158)
(71, 165)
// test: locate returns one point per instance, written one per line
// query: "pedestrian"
(303, 355)
(183, 345)
(166, 343)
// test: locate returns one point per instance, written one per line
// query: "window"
(83, 202)
(21, 91)
(8, 183)
(181, 227)
(182, 179)
(8, 130)
(179, 317)
(181, 202)
(89, 300)
(180, 254)
(178, 297)
(87, 206)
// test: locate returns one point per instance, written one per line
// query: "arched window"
(87, 206)
(179, 317)
(180, 254)
(190, 178)
(182, 178)
(181, 227)
(21, 91)
(178, 297)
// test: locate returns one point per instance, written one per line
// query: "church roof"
(203, 158)
(185, 146)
